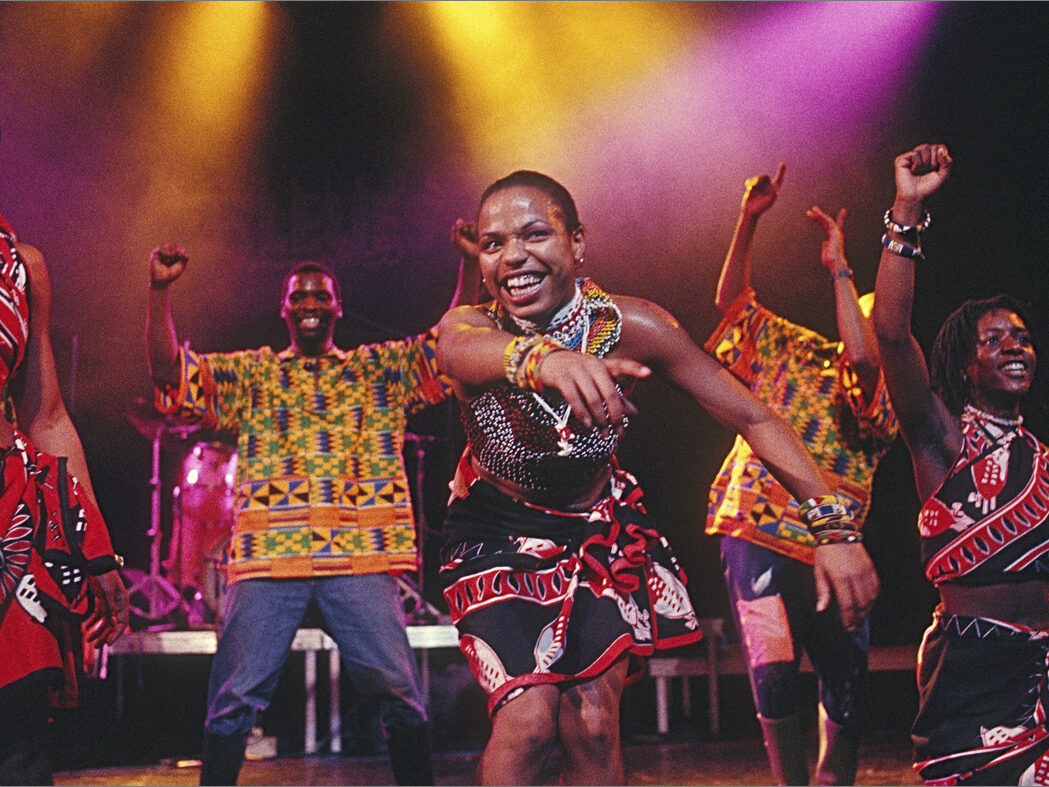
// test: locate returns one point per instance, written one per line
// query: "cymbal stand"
(162, 597)
(418, 609)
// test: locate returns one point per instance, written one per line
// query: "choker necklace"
(1008, 423)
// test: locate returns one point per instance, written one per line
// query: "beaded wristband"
(528, 373)
(903, 229)
(911, 252)
(515, 352)
(839, 537)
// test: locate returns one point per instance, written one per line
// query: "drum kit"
(188, 581)
(188, 585)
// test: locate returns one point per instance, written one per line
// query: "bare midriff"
(1026, 603)
(561, 500)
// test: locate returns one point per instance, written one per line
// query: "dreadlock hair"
(311, 267)
(955, 347)
(546, 184)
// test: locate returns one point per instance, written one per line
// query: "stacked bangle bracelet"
(522, 357)
(829, 521)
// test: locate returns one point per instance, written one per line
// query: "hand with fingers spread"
(832, 250)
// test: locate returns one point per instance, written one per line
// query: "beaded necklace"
(1007, 423)
(589, 323)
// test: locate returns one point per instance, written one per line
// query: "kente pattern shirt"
(321, 488)
(807, 381)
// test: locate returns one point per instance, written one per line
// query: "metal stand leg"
(162, 598)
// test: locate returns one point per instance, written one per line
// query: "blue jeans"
(774, 603)
(364, 616)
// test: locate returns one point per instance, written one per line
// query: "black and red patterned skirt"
(52, 538)
(983, 698)
(551, 597)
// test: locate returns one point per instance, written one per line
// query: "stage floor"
(884, 759)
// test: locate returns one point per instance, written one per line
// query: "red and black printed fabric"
(51, 536)
(988, 522)
(558, 597)
(983, 701)
(14, 303)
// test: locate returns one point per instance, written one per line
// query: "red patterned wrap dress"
(52, 537)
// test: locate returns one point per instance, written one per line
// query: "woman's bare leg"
(588, 724)
(523, 731)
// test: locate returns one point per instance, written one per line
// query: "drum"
(203, 521)
(206, 490)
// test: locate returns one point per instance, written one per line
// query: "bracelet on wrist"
(839, 537)
(845, 273)
(824, 505)
(902, 249)
(528, 374)
(522, 357)
(903, 229)
(514, 354)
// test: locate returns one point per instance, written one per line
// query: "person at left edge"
(322, 504)
(58, 571)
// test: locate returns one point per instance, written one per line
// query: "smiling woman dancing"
(985, 522)
(555, 577)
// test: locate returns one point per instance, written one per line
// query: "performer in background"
(556, 578)
(322, 504)
(58, 572)
(833, 395)
(984, 524)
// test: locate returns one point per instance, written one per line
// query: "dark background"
(356, 133)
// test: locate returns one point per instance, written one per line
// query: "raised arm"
(468, 285)
(651, 334)
(931, 432)
(166, 264)
(856, 330)
(42, 415)
(760, 194)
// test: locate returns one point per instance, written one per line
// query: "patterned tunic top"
(321, 486)
(806, 380)
(989, 521)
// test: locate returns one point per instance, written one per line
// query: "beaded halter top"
(532, 439)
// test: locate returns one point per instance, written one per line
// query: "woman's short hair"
(955, 346)
(546, 184)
